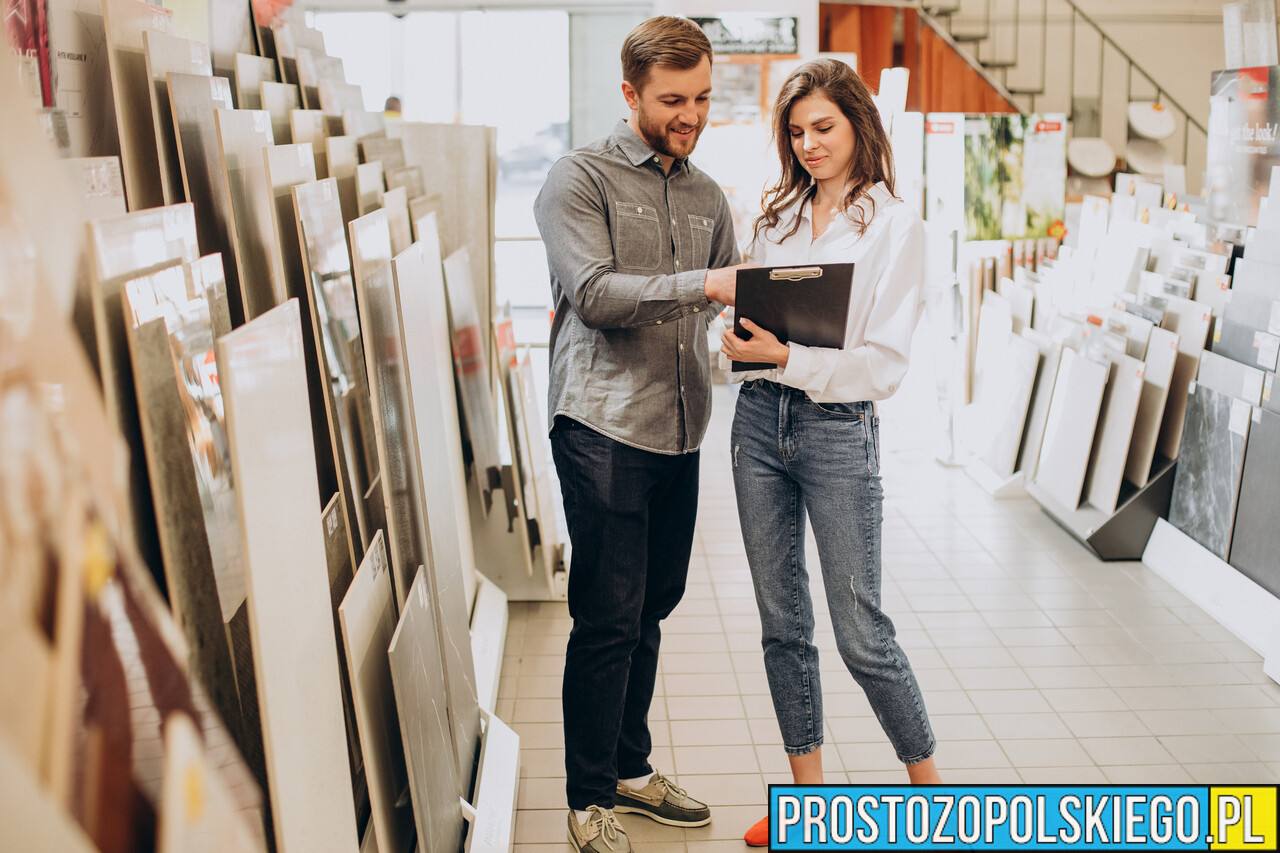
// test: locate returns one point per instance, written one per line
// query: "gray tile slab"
(1230, 377)
(1246, 344)
(1256, 540)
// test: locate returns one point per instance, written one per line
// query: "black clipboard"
(808, 305)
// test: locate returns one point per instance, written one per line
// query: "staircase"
(1025, 56)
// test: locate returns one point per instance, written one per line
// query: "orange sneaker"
(758, 835)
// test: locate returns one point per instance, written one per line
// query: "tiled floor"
(1038, 663)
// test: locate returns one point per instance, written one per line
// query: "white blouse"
(884, 307)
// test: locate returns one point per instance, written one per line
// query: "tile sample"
(389, 392)
(421, 206)
(1253, 311)
(124, 22)
(1115, 432)
(243, 135)
(1231, 377)
(1041, 395)
(1256, 277)
(390, 152)
(230, 33)
(335, 327)
(288, 166)
(1206, 483)
(368, 617)
(337, 97)
(396, 205)
(263, 379)
(196, 809)
(312, 126)
(280, 100)
(341, 153)
(363, 124)
(1191, 321)
(171, 343)
(1162, 355)
(420, 689)
(425, 336)
(250, 72)
(1012, 379)
(337, 552)
(409, 177)
(1073, 419)
(539, 461)
(1245, 344)
(193, 100)
(369, 187)
(81, 79)
(1256, 539)
(165, 53)
(472, 369)
(98, 184)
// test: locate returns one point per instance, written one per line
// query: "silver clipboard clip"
(794, 273)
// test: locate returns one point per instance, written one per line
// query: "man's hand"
(764, 346)
(722, 284)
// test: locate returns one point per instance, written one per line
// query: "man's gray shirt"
(628, 248)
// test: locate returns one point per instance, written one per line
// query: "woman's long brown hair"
(872, 155)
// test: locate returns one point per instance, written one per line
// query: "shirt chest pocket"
(702, 228)
(637, 236)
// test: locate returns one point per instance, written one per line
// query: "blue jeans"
(631, 517)
(793, 457)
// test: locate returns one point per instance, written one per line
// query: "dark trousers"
(631, 515)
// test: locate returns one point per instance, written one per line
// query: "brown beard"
(656, 136)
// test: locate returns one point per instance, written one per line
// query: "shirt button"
(682, 348)
(696, 310)
(659, 322)
(639, 210)
(657, 159)
(673, 223)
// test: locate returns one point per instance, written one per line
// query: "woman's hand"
(764, 346)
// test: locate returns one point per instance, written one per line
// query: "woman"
(806, 436)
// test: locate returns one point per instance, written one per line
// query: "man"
(637, 240)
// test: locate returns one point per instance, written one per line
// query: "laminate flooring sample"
(164, 54)
(396, 204)
(472, 369)
(1191, 321)
(1206, 484)
(334, 323)
(125, 21)
(242, 137)
(402, 485)
(1072, 422)
(1256, 540)
(421, 694)
(1231, 377)
(280, 100)
(1012, 378)
(250, 72)
(194, 100)
(1041, 395)
(263, 378)
(312, 126)
(1114, 435)
(424, 333)
(368, 617)
(1162, 355)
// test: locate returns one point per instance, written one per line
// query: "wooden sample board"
(1069, 431)
(196, 809)
(1162, 355)
(420, 689)
(263, 378)
(250, 72)
(280, 100)
(124, 22)
(164, 54)
(334, 325)
(287, 166)
(243, 136)
(170, 329)
(402, 485)
(368, 617)
(194, 100)
(312, 126)
(1115, 432)
(424, 334)
(369, 187)
(472, 369)
(1191, 321)
(396, 205)
(1206, 484)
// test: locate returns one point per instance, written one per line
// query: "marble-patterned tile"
(1206, 483)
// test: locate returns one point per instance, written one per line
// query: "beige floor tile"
(1207, 749)
(726, 789)
(1077, 775)
(1048, 752)
(710, 733)
(1105, 724)
(541, 826)
(1026, 726)
(727, 822)
(715, 760)
(704, 707)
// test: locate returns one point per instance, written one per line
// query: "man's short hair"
(664, 40)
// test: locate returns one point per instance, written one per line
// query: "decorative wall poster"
(748, 32)
(1015, 175)
(1044, 175)
(1244, 118)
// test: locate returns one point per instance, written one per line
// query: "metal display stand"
(1123, 534)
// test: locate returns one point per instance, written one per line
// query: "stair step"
(1024, 90)
(998, 63)
(968, 37)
